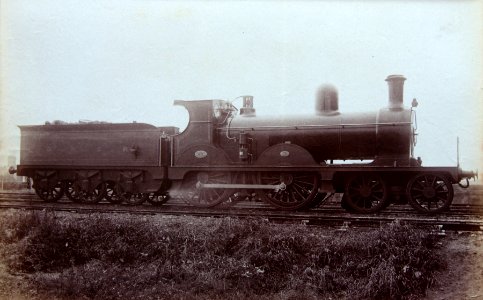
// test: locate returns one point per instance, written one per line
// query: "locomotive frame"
(220, 157)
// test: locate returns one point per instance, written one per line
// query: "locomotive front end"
(396, 130)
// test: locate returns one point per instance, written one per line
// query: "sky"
(126, 60)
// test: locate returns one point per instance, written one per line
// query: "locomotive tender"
(225, 155)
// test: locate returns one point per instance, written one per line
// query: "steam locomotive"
(226, 154)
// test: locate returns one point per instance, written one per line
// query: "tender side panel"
(101, 146)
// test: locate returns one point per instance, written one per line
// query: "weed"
(112, 257)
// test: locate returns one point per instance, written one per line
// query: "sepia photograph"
(282, 150)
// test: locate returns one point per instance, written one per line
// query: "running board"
(276, 187)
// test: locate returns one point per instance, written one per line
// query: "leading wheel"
(193, 193)
(298, 189)
(430, 193)
(365, 193)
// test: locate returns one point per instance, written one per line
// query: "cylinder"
(327, 100)
(396, 91)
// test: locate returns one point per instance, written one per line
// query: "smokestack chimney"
(396, 91)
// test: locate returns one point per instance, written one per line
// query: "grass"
(119, 257)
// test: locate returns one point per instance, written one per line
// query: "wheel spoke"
(418, 182)
(298, 187)
(298, 194)
(440, 185)
(425, 181)
(304, 182)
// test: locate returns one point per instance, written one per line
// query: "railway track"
(328, 206)
(461, 217)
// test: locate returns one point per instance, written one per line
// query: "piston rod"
(277, 187)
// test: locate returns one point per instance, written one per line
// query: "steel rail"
(329, 206)
(342, 219)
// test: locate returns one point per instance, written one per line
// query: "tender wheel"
(51, 194)
(70, 191)
(129, 198)
(158, 199)
(299, 192)
(205, 197)
(133, 198)
(365, 193)
(111, 193)
(92, 197)
(430, 193)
